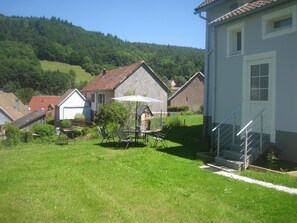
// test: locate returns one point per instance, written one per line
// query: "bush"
(45, 132)
(177, 108)
(272, 158)
(79, 118)
(13, 135)
(66, 123)
(50, 120)
(62, 139)
(26, 136)
(187, 113)
(174, 121)
(112, 114)
(201, 109)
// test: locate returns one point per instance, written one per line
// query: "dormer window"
(280, 22)
(235, 40)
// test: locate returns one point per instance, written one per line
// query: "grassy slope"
(81, 74)
(86, 182)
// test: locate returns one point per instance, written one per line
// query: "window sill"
(279, 32)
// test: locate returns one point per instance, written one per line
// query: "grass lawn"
(88, 182)
(81, 74)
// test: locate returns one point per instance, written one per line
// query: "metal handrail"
(225, 119)
(219, 128)
(250, 122)
(246, 137)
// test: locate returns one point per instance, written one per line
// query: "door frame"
(247, 60)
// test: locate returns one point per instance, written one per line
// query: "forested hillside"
(24, 41)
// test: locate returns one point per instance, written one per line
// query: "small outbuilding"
(27, 121)
(70, 104)
(144, 115)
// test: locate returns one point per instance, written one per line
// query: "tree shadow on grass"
(190, 140)
(114, 145)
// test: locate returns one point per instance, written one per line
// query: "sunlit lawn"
(81, 74)
(87, 182)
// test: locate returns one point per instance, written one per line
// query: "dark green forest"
(26, 40)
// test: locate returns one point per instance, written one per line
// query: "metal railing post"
(245, 149)
(233, 128)
(218, 143)
(261, 134)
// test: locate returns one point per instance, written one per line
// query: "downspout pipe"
(208, 52)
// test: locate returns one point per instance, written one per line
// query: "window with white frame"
(92, 97)
(101, 98)
(259, 82)
(235, 42)
(279, 22)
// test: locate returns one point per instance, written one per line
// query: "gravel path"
(252, 181)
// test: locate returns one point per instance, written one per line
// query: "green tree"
(25, 94)
(114, 114)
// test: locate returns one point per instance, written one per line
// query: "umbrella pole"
(136, 119)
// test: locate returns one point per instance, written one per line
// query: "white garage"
(70, 104)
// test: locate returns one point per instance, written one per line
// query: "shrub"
(26, 136)
(174, 121)
(13, 135)
(201, 109)
(50, 120)
(187, 113)
(66, 123)
(45, 132)
(62, 139)
(112, 113)
(272, 158)
(79, 118)
(177, 108)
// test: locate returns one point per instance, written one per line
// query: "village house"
(190, 94)
(45, 103)
(250, 77)
(137, 78)
(11, 109)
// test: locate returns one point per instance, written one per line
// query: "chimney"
(104, 71)
(17, 104)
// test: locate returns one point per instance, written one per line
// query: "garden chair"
(123, 138)
(161, 137)
(105, 136)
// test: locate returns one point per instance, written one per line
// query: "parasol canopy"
(137, 98)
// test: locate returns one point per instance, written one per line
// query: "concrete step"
(233, 155)
(236, 147)
(233, 164)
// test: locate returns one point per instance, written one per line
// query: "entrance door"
(259, 91)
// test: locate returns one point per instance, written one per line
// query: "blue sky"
(152, 21)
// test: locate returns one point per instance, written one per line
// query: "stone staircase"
(233, 156)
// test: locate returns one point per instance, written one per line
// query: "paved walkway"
(252, 181)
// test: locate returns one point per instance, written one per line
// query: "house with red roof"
(45, 103)
(250, 79)
(137, 78)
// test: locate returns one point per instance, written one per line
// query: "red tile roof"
(113, 78)
(205, 3)
(42, 103)
(244, 9)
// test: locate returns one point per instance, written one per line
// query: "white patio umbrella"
(137, 98)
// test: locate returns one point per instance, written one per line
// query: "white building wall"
(73, 105)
